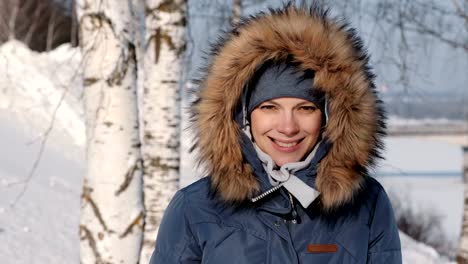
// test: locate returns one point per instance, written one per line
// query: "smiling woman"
(288, 123)
(286, 128)
(286, 117)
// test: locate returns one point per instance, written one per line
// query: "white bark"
(12, 21)
(236, 11)
(463, 246)
(111, 204)
(164, 47)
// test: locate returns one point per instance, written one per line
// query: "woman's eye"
(267, 107)
(308, 108)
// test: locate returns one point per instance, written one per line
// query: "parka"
(233, 215)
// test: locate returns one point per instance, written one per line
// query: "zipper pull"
(293, 207)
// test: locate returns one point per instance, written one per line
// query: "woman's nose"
(287, 124)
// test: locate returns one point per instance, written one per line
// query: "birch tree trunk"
(164, 48)
(236, 11)
(462, 256)
(111, 202)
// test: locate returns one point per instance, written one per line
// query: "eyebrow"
(308, 103)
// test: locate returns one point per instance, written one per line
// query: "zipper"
(267, 192)
(291, 200)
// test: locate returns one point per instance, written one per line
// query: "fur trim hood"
(314, 41)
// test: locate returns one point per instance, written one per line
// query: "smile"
(286, 145)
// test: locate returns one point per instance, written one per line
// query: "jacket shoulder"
(373, 187)
(180, 215)
(202, 203)
(198, 188)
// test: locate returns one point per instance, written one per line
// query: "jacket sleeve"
(175, 242)
(384, 243)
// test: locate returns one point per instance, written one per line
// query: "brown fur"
(317, 43)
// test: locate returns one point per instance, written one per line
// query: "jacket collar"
(307, 174)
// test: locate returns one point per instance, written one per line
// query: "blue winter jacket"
(199, 227)
(215, 220)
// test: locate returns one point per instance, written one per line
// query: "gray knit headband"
(276, 80)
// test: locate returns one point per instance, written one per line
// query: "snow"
(427, 173)
(33, 85)
(418, 253)
(421, 156)
(430, 194)
(42, 227)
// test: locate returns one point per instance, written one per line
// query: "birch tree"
(236, 11)
(164, 46)
(111, 202)
(462, 255)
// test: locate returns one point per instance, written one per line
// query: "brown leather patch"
(322, 248)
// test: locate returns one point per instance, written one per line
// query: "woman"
(288, 124)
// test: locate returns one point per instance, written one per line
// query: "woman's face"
(286, 128)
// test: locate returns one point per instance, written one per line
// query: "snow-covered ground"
(428, 176)
(42, 226)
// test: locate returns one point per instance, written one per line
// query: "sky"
(434, 68)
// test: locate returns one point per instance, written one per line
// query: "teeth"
(286, 145)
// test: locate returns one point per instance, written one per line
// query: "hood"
(313, 40)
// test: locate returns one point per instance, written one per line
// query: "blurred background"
(419, 51)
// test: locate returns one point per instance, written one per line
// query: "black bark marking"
(156, 163)
(169, 81)
(159, 37)
(157, 44)
(128, 177)
(148, 136)
(168, 6)
(87, 197)
(181, 49)
(98, 20)
(87, 235)
(90, 81)
(168, 39)
(136, 145)
(107, 123)
(138, 221)
(181, 23)
(120, 71)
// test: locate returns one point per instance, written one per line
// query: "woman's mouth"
(285, 146)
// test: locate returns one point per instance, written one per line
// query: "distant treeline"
(452, 106)
(40, 24)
